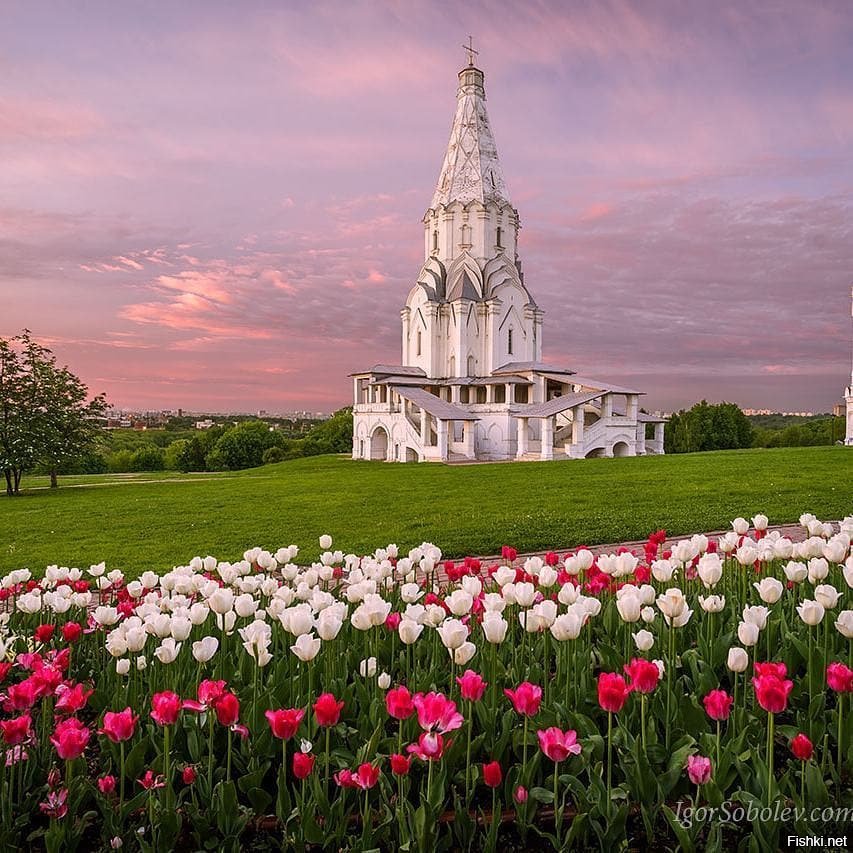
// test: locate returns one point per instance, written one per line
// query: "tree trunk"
(9, 489)
(53, 482)
(17, 476)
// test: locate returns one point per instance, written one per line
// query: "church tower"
(470, 313)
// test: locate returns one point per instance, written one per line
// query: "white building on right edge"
(848, 396)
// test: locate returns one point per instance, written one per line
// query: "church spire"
(471, 170)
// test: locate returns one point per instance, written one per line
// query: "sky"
(218, 205)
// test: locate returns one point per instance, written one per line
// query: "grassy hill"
(136, 522)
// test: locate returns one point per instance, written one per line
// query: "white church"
(472, 385)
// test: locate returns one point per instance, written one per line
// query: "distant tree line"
(723, 426)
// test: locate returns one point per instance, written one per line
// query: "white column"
(641, 439)
(442, 440)
(658, 441)
(424, 428)
(454, 393)
(632, 406)
(522, 437)
(470, 427)
(577, 432)
(607, 406)
(547, 443)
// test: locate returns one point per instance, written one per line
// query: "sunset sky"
(218, 205)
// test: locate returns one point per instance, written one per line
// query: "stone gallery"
(472, 384)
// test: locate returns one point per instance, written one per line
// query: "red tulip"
(327, 710)
(520, 794)
(400, 765)
(436, 712)
(5, 667)
(151, 782)
(492, 775)
(398, 702)
(21, 696)
(557, 744)
(345, 779)
(771, 668)
(43, 633)
(471, 686)
(612, 691)
(165, 708)
(227, 709)
(772, 692)
(70, 738)
(71, 699)
(119, 725)
(16, 730)
(107, 784)
(526, 698)
(644, 675)
(366, 776)
(718, 704)
(71, 632)
(188, 775)
(508, 553)
(802, 747)
(839, 677)
(209, 692)
(284, 722)
(303, 764)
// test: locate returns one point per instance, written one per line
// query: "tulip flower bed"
(401, 701)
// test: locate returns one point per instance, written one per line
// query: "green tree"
(148, 458)
(705, 426)
(45, 415)
(243, 446)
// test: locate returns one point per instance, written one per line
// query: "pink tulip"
(398, 703)
(471, 686)
(699, 769)
(558, 745)
(70, 738)
(119, 726)
(436, 712)
(430, 746)
(165, 708)
(526, 698)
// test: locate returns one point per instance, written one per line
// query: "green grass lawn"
(136, 522)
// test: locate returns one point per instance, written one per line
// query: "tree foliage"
(706, 426)
(46, 417)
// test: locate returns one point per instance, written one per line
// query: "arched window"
(435, 241)
(498, 241)
(509, 341)
(419, 341)
(472, 367)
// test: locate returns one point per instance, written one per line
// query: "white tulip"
(181, 627)
(306, 647)
(122, 666)
(504, 575)
(835, 550)
(712, 603)
(167, 651)
(525, 594)
(222, 601)
(740, 526)
(811, 612)
(570, 564)
(245, 605)
(747, 633)
(459, 602)
(494, 627)
(568, 594)
(453, 633)
(494, 601)
(769, 590)
(104, 615)
(409, 631)
(384, 681)
(738, 659)
(647, 614)
(710, 569)
(795, 572)
(135, 639)
(325, 541)
(827, 595)
(747, 554)
(463, 654)
(567, 626)
(672, 603)
(410, 592)
(205, 649)
(756, 615)
(662, 571)
(728, 543)
(818, 569)
(844, 624)
(367, 667)
(329, 624)
(848, 571)
(760, 522)
(629, 607)
(644, 640)
(547, 577)
(226, 621)
(585, 559)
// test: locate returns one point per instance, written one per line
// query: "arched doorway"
(620, 449)
(596, 453)
(411, 455)
(379, 443)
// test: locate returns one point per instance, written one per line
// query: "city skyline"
(222, 211)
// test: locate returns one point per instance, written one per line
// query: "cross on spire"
(470, 49)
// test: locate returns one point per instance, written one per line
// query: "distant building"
(848, 399)
(472, 384)
(205, 424)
